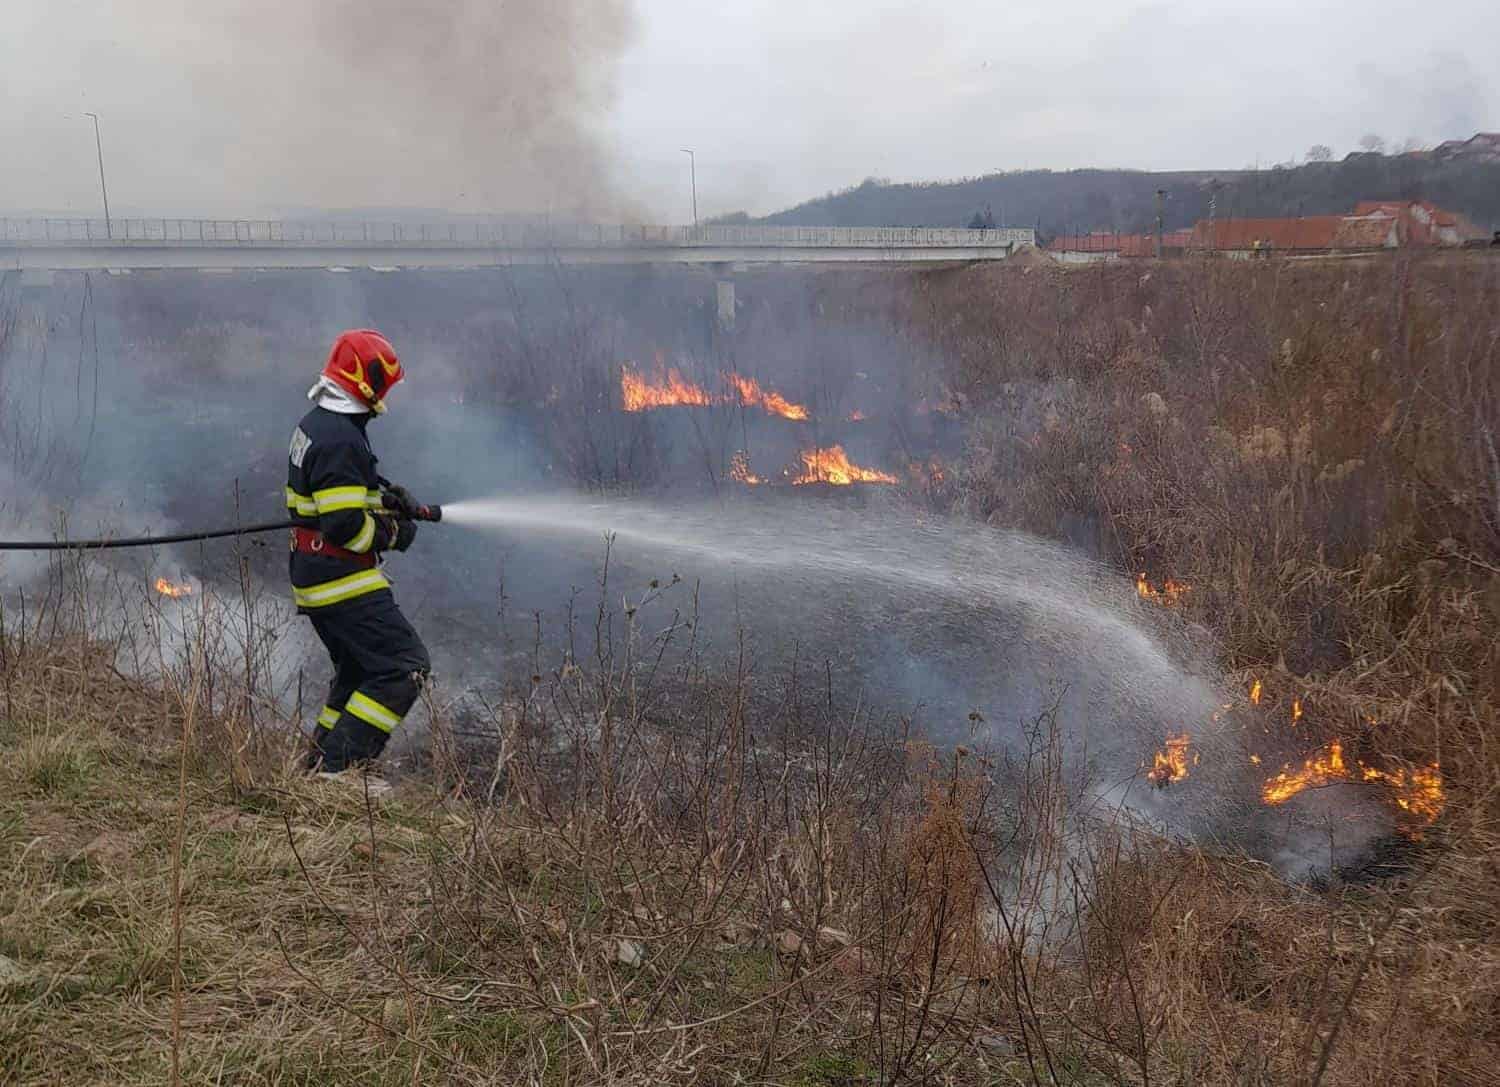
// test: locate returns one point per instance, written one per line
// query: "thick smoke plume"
(471, 105)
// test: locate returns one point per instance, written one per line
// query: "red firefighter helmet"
(364, 364)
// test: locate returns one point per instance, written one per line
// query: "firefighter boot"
(350, 742)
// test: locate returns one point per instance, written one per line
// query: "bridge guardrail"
(501, 235)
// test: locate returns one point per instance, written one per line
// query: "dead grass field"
(744, 885)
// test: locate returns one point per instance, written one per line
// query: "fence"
(499, 235)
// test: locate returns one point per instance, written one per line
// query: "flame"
(666, 388)
(753, 396)
(1169, 595)
(1170, 764)
(739, 469)
(1324, 767)
(1255, 692)
(1418, 791)
(832, 465)
(856, 416)
(173, 589)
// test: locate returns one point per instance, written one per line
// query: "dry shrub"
(1311, 448)
(945, 929)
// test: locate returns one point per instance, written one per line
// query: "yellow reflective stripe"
(365, 539)
(333, 499)
(329, 717)
(371, 712)
(300, 503)
(374, 501)
(340, 589)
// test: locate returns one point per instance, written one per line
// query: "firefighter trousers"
(379, 666)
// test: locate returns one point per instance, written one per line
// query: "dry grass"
(834, 923)
(1313, 451)
(443, 938)
(653, 872)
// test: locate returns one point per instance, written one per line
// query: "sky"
(256, 106)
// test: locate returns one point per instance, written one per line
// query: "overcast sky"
(780, 100)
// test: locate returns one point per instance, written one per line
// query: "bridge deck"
(260, 243)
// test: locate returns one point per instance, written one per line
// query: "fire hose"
(430, 513)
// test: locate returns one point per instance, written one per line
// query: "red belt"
(310, 541)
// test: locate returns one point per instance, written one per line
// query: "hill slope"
(1125, 199)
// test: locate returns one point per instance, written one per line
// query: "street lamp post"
(693, 168)
(103, 188)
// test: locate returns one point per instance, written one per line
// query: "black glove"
(398, 499)
(394, 533)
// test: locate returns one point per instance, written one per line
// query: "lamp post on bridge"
(693, 170)
(99, 148)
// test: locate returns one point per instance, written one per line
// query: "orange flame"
(832, 465)
(1296, 710)
(1418, 791)
(173, 589)
(856, 416)
(1324, 767)
(1255, 692)
(1171, 764)
(666, 388)
(753, 396)
(739, 469)
(1169, 595)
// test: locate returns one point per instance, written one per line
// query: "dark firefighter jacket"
(332, 487)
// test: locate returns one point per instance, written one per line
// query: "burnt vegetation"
(640, 862)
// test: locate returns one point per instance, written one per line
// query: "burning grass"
(1171, 763)
(666, 387)
(173, 589)
(747, 875)
(744, 879)
(832, 465)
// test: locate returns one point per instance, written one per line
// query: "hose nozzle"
(428, 513)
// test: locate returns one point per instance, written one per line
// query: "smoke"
(973, 634)
(468, 105)
(1440, 97)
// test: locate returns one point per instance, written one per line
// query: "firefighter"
(346, 517)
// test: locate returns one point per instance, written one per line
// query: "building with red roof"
(1423, 223)
(1375, 225)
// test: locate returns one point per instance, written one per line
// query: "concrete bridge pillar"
(725, 290)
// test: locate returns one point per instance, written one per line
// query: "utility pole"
(99, 148)
(693, 168)
(1213, 214)
(1161, 196)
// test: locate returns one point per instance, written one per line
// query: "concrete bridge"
(41, 245)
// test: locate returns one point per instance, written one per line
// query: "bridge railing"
(491, 234)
